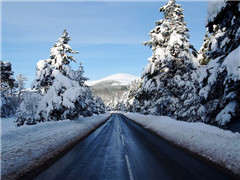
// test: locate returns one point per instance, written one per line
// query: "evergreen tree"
(59, 60)
(59, 53)
(8, 104)
(44, 78)
(167, 79)
(7, 80)
(202, 54)
(128, 101)
(20, 84)
(61, 96)
(169, 42)
(79, 75)
(219, 82)
(100, 106)
(224, 34)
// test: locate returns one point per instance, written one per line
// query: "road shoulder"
(26, 151)
(218, 147)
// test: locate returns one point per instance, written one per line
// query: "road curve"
(121, 149)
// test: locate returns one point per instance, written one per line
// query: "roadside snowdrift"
(217, 145)
(28, 147)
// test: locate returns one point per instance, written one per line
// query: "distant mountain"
(116, 79)
(111, 88)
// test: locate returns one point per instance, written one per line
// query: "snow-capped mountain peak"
(117, 79)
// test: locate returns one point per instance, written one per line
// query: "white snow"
(123, 79)
(175, 38)
(7, 124)
(42, 64)
(232, 63)
(214, 7)
(224, 42)
(27, 146)
(225, 115)
(217, 145)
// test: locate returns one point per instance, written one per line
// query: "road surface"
(121, 149)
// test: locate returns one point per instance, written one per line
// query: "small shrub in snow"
(28, 108)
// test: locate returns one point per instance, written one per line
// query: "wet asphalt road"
(120, 149)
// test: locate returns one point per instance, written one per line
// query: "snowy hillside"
(110, 89)
(120, 78)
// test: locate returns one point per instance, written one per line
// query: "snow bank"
(27, 147)
(7, 124)
(215, 144)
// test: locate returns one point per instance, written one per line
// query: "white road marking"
(129, 168)
(122, 140)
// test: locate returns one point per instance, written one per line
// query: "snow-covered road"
(27, 147)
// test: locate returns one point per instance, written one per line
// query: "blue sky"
(108, 35)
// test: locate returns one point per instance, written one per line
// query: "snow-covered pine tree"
(59, 60)
(169, 42)
(20, 84)
(58, 53)
(44, 79)
(62, 96)
(79, 75)
(7, 80)
(219, 89)
(128, 102)
(131, 104)
(168, 79)
(8, 104)
(202, 56)
(224, 35)
(100, 106)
